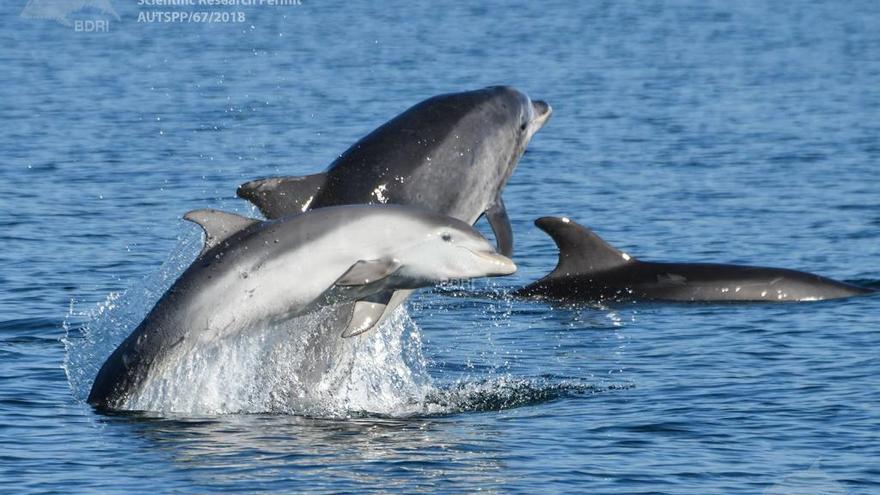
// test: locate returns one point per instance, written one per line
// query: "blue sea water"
(743, 132)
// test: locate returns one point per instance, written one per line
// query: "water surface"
(742, 132)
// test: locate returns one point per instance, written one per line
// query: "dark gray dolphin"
(451, 154)
(591, 270)
(253, 272)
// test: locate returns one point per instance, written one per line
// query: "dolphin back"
(451, 153)
(591, 269)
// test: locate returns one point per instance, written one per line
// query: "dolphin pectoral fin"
(500, 222)
(218, 225)
(280, 196)
(368, 271)
(367, 314)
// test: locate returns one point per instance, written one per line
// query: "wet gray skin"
(254, 272)
(451, 154)
(590, 270)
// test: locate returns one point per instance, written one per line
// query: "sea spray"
(91, 334)
(300, 366)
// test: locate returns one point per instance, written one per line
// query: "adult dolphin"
(452, 154)
(252, 272)
(589, 269)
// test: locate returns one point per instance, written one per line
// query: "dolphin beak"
(542, 111)
(498, 263)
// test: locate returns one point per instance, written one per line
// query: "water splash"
(299, 367)
(91, 334)
(507, 392)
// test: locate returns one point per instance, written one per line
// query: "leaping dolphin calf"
(252, 272)
(589, 269)
(451, 154)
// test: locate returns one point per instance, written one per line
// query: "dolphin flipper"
(368, 271)
(500, 222)
(368, 314)
(218, 225)
(280, 196)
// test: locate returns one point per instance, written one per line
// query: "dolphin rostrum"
(254, 272)
(589, 269)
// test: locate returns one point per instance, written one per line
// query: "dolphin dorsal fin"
(280, 196)
(218, 225)
(580, 249)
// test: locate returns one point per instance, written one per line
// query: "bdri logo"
(812, 481)
(83, 15)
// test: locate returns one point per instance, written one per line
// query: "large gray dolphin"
(589, 269)
(451, 154)
(255, 272)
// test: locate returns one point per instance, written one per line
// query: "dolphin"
(451, 153)
(253, 272)
(589, 269)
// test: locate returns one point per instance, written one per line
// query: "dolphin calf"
(252, 272)
(451, 153)
(589, 269)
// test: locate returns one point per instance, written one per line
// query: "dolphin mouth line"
(505, 265)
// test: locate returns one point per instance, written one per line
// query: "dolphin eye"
(523, 127)
(446, 236)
